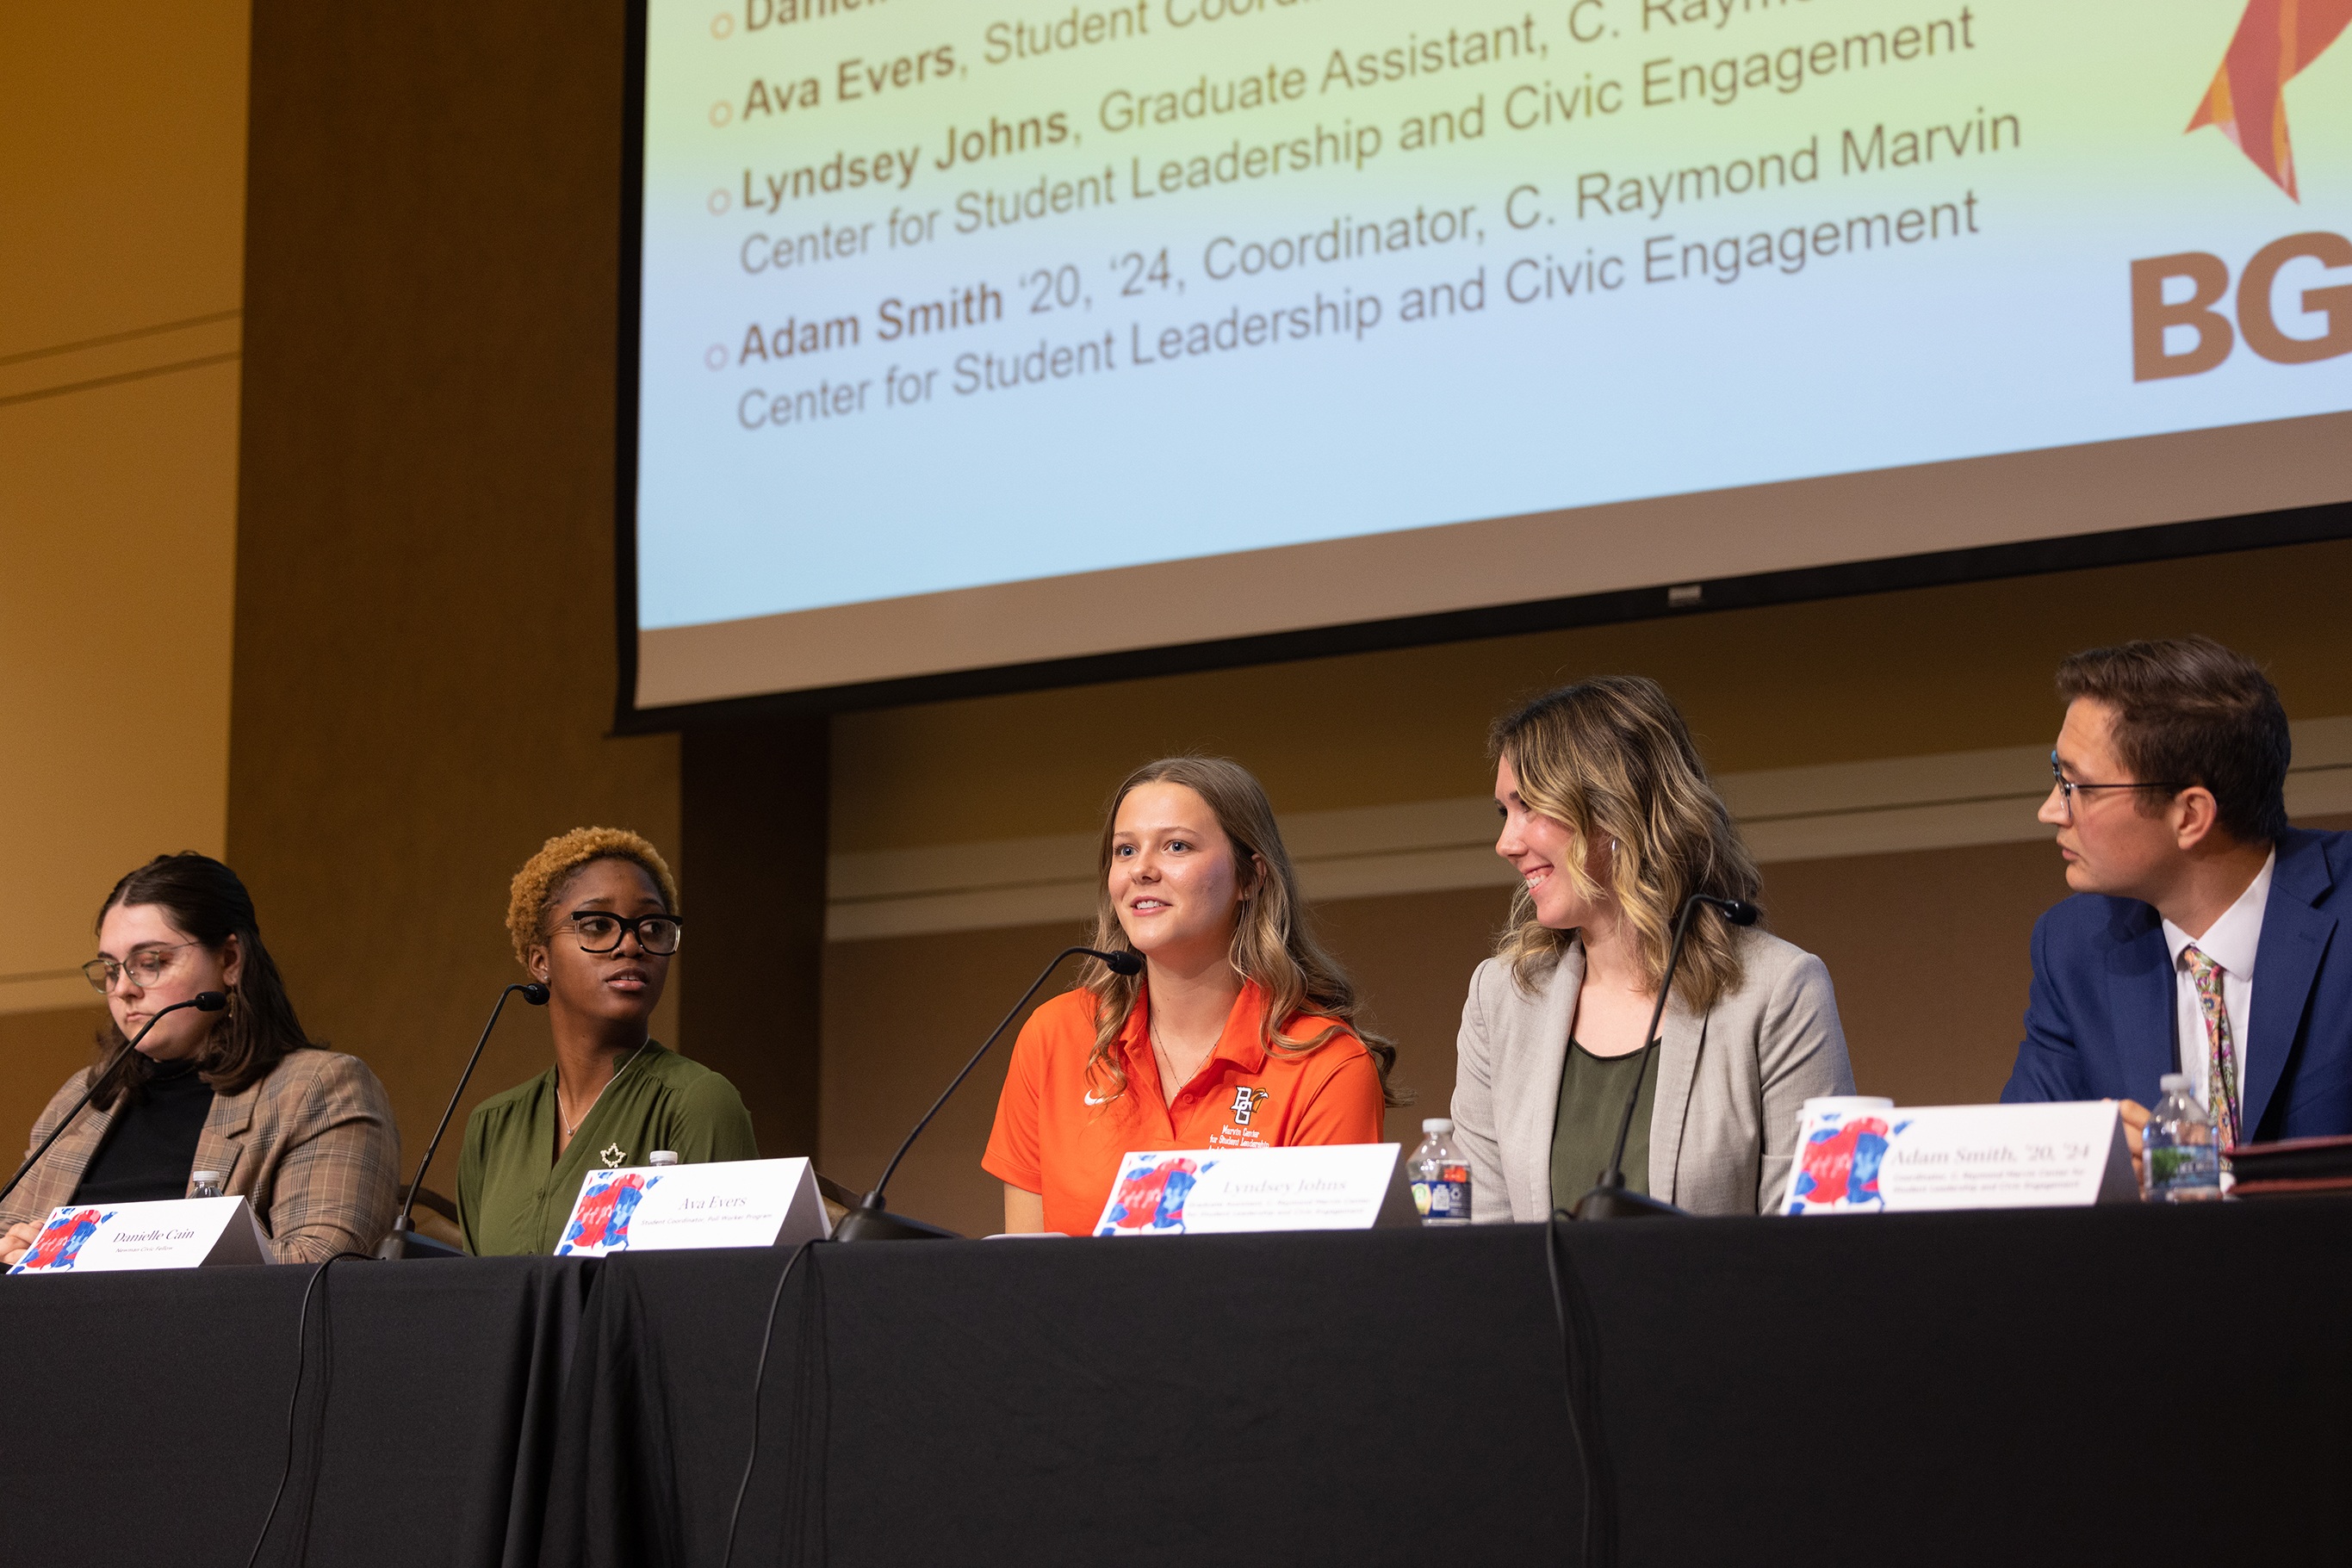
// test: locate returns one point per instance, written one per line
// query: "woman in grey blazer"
(1610, 821)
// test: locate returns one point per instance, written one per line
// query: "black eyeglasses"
(601, 933)
(2066, 787)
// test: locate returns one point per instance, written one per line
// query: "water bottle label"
(2177, 1168)
(1443, 1196)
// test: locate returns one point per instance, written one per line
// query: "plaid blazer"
(312, 1146)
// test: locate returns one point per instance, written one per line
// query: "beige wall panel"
(123, 165)
(900, 1016)
(117, 567)
(41, 1051)
(122, 154)
(1894, 675)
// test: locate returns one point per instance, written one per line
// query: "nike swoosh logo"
(1092, 1101)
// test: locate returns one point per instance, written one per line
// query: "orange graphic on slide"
(2275, 39)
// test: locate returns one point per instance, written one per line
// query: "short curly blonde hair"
(544, 874)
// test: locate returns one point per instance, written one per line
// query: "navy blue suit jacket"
(2101, 1022)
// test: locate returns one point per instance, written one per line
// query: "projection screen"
(971, 335)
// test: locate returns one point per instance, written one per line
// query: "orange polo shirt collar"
(1240, 1047)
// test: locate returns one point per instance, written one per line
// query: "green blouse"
(1593, 1091)
(514, 1196)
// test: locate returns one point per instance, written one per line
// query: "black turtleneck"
(151, 1148)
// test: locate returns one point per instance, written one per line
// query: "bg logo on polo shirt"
(1246, 1101)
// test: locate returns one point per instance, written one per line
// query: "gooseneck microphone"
(1610, 1200)
(869, 1221)
(404, 1242)
(203, 1001)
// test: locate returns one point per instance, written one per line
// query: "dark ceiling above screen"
(959, 355)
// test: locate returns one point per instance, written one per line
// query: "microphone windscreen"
(1739, 912)
(534, 993)
(210, 1001)
(1121, 963)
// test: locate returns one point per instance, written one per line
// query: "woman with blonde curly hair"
(1239, 1033)
(1611, 823)
(593, 917)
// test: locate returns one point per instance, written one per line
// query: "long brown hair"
(1273, 945)
(1610, 758)
(204, 899)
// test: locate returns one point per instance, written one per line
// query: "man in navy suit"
(2202, 936)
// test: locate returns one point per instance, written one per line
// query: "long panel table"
(2061, 1387)
(146, 1416)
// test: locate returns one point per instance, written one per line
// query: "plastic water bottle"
(205, 1184)
(2176, 1148)
(662, 1157)
(1439, 1176)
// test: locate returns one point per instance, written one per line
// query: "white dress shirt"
(2232, 942)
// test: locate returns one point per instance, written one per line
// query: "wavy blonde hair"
(1271, 943)
(533, 892)
(1611, 759)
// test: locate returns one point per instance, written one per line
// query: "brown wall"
(1894, 674)
(119, 125)
(424, 562)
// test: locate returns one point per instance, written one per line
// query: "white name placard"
(176, 1233)
(1203, 1192)
(1865, 1160)
(657, 1209)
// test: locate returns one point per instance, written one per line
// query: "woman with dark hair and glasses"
(593, 916)
(304, 1132)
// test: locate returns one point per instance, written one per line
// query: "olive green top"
(514, 1195)
(1592, 1103)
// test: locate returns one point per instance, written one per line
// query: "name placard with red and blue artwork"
(730, 1202)
(1865, 1159)
(1201, 1192)
(173, 1233)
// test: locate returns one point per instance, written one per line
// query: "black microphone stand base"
(1617, 1203)
(878, 1224)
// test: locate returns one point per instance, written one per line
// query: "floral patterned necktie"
(2220, 1051)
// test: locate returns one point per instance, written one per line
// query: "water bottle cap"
(662, 1157)
(1437, 1125)
(205, 1178)
(2174, 1084)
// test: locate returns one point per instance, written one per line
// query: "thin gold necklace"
(572, 1127)
(1169, 1057)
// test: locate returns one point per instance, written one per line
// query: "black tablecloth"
(2091, 1386)
(145, 1418)
(2080, 1386)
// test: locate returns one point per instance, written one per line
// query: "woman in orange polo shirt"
(1238, 1034)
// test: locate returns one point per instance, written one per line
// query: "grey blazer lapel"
(1537, 1061)
(1681, 1036)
